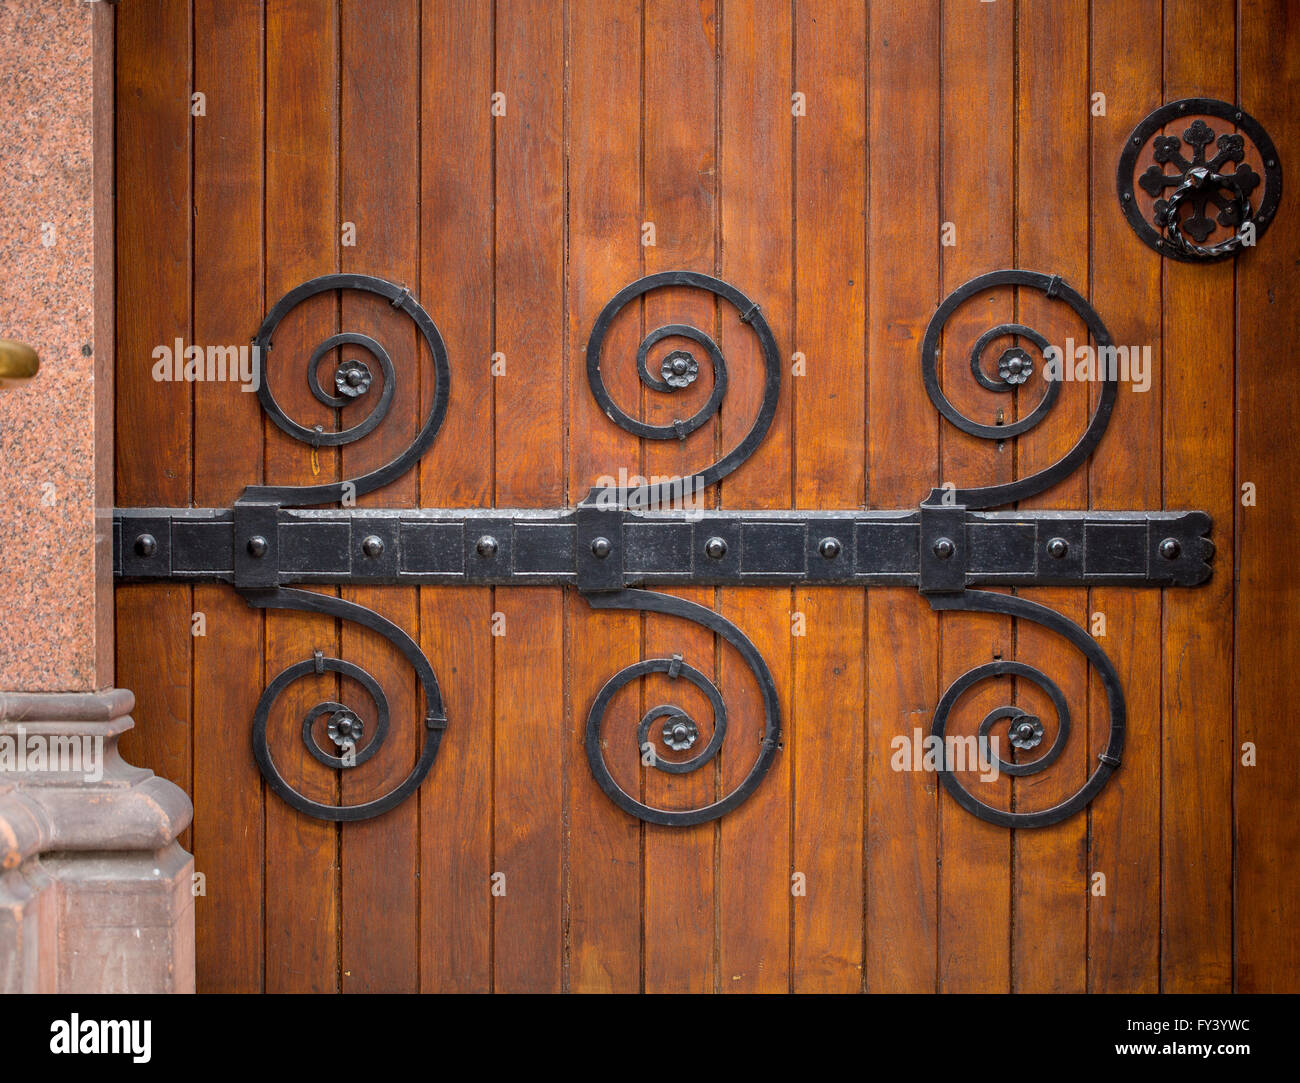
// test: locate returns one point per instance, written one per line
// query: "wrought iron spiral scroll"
(678, 370)
(352, 382)
(1053, 287)
(1108, 759)
(435, 721)
(1202, 182)
(654, 602)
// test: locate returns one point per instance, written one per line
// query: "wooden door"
(847, 166)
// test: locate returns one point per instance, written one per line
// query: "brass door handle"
(18, 363)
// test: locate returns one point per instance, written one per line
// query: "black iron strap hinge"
(934, 549)
(618, 545)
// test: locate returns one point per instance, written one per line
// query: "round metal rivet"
(1169, 549)
(372, 546)
(601, 548)
(345, 729)
(829, 548)
(680, 733)
(716, 548)
(486, 546)
(257, 546)
(1128, 196)
(944, 548)
(146, 545)
(1058, 547)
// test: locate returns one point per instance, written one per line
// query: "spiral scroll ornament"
(682, 367)
(674, 726)
(1025, 731)
(351, 382)
(1015, 365)
(345, 727)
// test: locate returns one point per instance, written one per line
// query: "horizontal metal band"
(258, 545)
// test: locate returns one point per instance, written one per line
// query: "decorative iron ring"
(1174, 227)
(1173, 244)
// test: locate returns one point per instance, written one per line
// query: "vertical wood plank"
(530, 761)
(456, 288)
(1052, 235)
(755, 182)
(1196, 953)
(302, 237)
(1268, 643)
(903, 253)
(153, 418)
(1123, 925)
(680, 171)
(976, 197)
(604, 885)
(229, 846)
(379, 191)
(154, 239)
(826, 743)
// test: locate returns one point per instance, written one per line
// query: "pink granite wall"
(55, 247)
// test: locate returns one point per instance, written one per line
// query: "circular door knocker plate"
(1203, 192)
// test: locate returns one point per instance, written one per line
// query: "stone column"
(95, 892)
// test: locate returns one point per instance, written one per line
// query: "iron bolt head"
(601, 548)
(146, 545)
(352, 378)
(344, 728)
(1058, 547)
(1026, 732)
(257, 546)
(372, 546)
(1015, 366)
(486, 546)
(715, 548)
(679, 369)
(680, 733)
(829, 548)
(944, 548)
(1169, 549)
